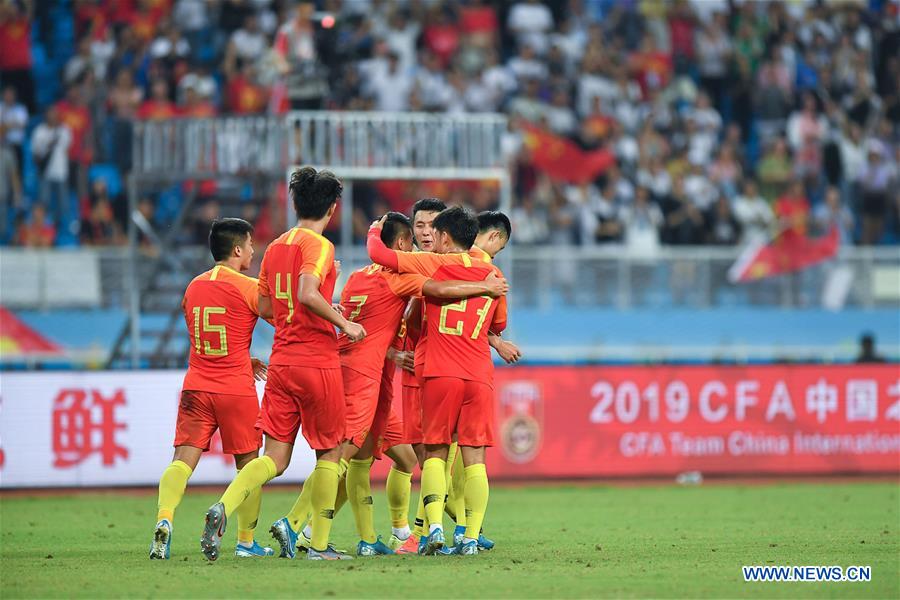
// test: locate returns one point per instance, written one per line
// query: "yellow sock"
(253, 476)
(419, 526)
(458, 490)
(341, 498)
(449, 500)
(359, 494)
(299, 513)
(248, 515)
(477, 492)
(434, 488)
(397, 491)
(343, 465)
(324, 492)
(171, 489)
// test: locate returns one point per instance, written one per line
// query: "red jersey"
(78, 120)
(375, 298)
(301, 337)
(220, 311)
(457, 331)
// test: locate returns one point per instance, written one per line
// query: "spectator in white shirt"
(13, 119)
(560, 117)
(392, 89)
(50, 145)
(531, 21)
(753, 213)
(247, 44)
(527, 65)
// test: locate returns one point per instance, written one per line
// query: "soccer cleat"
(467, 548)
(253, 551)
(375, 549)
(458, 534)
(448, 551)
(285, 536)
(329, 554)
(422, 540)
(396, 543)
(213, 531)
(434, 542)
(484, 543)
(410, 546)
(303, 541)
(162, 540)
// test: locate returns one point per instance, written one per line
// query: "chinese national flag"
(788, 252)
(563, 160)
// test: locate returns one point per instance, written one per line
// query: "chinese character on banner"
(862, 400)
(215, 449)
(521, 419)
(84, 423)
(821, 399)
(893, 411)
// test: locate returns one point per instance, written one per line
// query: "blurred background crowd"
(729, 121)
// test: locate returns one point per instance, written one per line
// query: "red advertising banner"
(638, 421)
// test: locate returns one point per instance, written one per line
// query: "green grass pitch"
(580, 540)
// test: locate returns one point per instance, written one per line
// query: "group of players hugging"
(434, 312)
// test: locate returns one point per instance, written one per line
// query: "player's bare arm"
(404, 359)
(506, 350)
(311, 298)
(492, 286)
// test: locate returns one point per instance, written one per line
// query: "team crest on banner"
(521, 420)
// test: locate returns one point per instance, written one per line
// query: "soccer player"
(376, 298)
(296, 285)
(457, 396)
(220, 311)
(494, 232)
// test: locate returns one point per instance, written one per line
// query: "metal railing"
(346, 141)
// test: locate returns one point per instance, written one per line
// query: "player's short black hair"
(460, 223)
(313, 192)
(395, 225)
(428, 205)
(494, 219)
(225, 234)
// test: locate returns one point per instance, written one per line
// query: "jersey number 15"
(209, 328)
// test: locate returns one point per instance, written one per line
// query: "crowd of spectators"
(730, 121)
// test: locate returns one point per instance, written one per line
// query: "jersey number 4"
(461, 307)
(209, 328)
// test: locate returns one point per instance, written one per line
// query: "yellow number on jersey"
(208, 327)
(361, 300)
(285, 294)
(442, 324)
(482, 315)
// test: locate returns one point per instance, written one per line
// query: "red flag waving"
(788, 252)
(563, 160)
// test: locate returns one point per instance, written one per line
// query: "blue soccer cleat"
(162, 540)
(467, 548)
(434, 541)
(484, 543)
(448, 551)
(213, 531)
(329, 554)
(458, 534)
(422, 541)
(285, 536)
(253, 551)
(378, 548)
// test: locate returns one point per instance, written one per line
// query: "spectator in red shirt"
(478, 21)
(15, 52)
(792, 210)
(682, 24)
(244, 95)
(195, 105)
(651, 66)
(73, 112)
(38, 231)
(441, 35)
(158, 107)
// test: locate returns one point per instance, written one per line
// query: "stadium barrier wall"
(116, 428)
